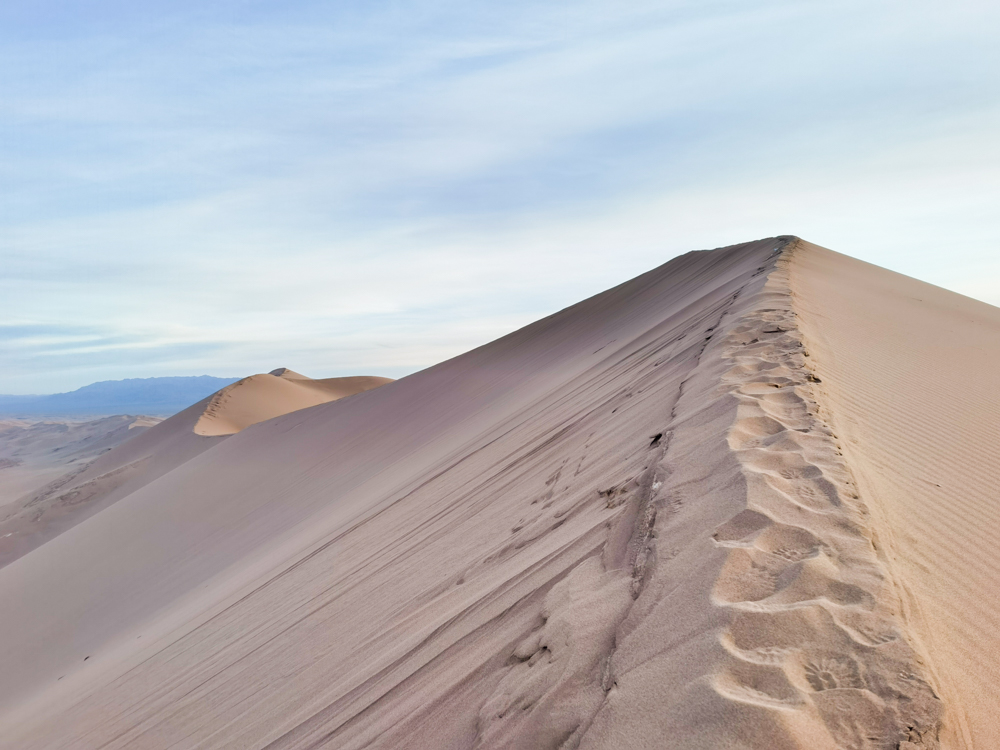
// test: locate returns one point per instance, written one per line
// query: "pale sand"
(100, 469)
(630, 524)
(39, 456)
(35, 452)
(911, 378)
(262, 397)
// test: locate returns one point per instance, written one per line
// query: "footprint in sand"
(832, 672)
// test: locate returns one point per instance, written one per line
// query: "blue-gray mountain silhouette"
(152, 396)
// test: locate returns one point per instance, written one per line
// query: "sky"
(371, 187)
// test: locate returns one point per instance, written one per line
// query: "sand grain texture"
(636, 523)
(911, 377)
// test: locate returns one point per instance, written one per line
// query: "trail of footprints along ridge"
(815, 625)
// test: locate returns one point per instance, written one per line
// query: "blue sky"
(341, 187)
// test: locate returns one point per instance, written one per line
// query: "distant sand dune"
(36, 452)
(700, 510)
(261, 397)
(42, 458)
(108, 472)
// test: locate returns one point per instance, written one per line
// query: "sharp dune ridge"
(694, 511)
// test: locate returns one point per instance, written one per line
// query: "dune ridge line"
(817, 613)
(630, 523)
(813, 651)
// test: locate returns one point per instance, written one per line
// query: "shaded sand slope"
(94, 485)
(42, 460)
(101, 478)
(261, 397)
(624, 525)
(911, 376)
(33, 453)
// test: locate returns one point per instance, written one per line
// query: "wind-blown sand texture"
(104, 472)
(640, 522)
(911, 379)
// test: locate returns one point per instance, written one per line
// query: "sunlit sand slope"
(911, 378)
(630, 524)
(261, 397)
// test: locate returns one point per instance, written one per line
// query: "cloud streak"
(373, 186)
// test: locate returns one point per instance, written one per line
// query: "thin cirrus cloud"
(229, 187)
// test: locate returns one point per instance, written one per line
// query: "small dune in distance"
(56, 473)
(269, 395)
(746, 500)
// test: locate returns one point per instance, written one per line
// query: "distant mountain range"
(152, 396)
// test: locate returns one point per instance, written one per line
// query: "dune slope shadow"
(625, 524)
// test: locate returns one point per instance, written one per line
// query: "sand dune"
(911, 378)
(261, 397)
(108, 472)
(38, 457)
(645, 521)
(33, 453)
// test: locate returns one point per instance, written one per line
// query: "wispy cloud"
(233, 186)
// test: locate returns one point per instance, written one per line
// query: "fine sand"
(911, 379)
(35, 452)
(98, 467)
(261, 397)
(700, 510)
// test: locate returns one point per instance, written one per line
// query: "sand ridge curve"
(629, 521)
(261, 397)
(814, 654)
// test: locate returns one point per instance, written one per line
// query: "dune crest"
(268, 395)
(911, 383)
(675, 513)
